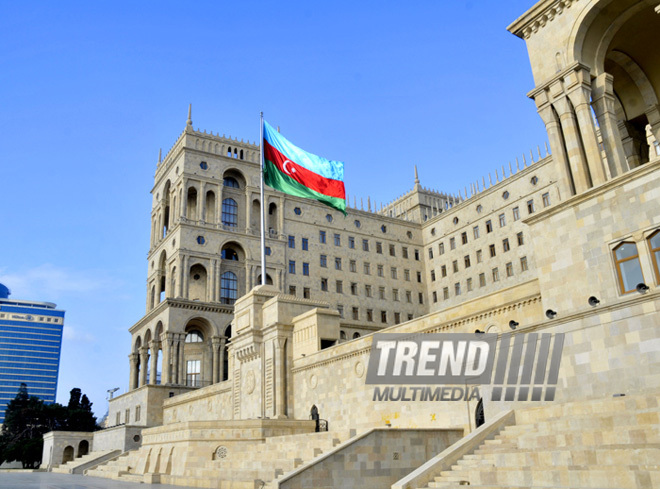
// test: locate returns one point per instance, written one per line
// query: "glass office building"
(30, 345)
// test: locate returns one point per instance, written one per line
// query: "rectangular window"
(337, 239)
(383, 316)
(365, 245)
(137, 413)
(339, 286)
(392, 250)
(419, 277)
(530, 206)
(381, 293)
(370, 315)
(443, 271)
(322, 236)
(464, 238)
(489, 227)
(397, 317)
(469, 284)
(404, 252)
(430, 253)
(454, 266)
(466, 260)
(546, 199)
(441, 248)
(509, 269)
(267, 251)
(653, 242)
(292, 290)
(351, 242)
(505, 245)
(452, 243)
(496, 275)
(367, 268)
(128, 411)
(406, 275)
(354, 290)
(292, 267)
(432, 275)
(292, 241)
(340, 310)
(457, 288)
(367, 290)
(475, 232)
(482, 280)
(353, 266)
(491, 248)
(305, 244)
(118, 418)
(379, 247)
(502, 220)
(478, 256)
(420, 296)
(324, 261)
(193, 372)
(306, 293)
(324, 284)
(445, 293)
(305, 268)
(516, 213)
(523, 264)
(410, 317)
(393, 273)
(417, 255)
(521, 239)
(395, 295)
(408, 296)
(356, 313)
(337, 263)
(380, 271)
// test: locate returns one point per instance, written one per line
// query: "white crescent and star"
(288, 172)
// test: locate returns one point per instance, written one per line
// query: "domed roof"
(4, 292)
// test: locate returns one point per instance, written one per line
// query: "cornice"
(538, 17)
(181, 304)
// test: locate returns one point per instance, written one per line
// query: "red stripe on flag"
(326, 186)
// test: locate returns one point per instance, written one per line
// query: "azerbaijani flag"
(291, 170)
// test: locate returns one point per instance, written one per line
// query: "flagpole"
(263, 213)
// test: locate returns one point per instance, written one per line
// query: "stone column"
(184, 199)
(144, 359)
(215, 345)
(174, 342)
(182, 358)
(576, 157)
(153, 361)
(202, 199)
(221, 360)
(248, 211)
(165, 364)
(185, 276)
(603, 104)
(559, 156)
(580, 100)
(133, 367)
(653, 115)
(280, 385)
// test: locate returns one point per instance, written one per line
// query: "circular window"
(383, 228)
(136, 438)
(534, 180)
(297, 211)
(409, 235)
(456, 220)
(328, 217)
(197, 276)
(221, 452)
(479, 208)
(204, 165)
(358, 224)
(201, 240)
(505, 195)
(433, 232)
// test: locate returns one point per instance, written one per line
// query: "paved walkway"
(49, 480)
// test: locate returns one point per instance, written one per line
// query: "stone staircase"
(122, 466)
(606, 444)
(93, 458)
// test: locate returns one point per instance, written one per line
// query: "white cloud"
(76, 334)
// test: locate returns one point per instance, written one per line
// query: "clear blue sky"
(89, 91)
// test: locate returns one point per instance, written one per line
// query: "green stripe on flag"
(273, 177)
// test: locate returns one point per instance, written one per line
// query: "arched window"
(194, 336)
(231, 182)
(356, 335)
(229, 212)
(628, 269)
(229, 254)
(241, 155)
(654, 247)
(228, 288)
(342, 335)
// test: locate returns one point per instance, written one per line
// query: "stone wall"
(122, 438)
(56, 441)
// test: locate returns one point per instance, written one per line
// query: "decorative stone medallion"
(359, 369)
(250, 382)
(313, 381)
(221, 452)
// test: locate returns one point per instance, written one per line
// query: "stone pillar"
(185, 276)
(144, 359)
(576, 157)
(184, 199)
(248, 211)
(280, 385)
(182, 359)
(221, 360)
(580, 100)
(215, 345)
(153, 361)
(603, 104)
(174, 342)
(201, 197)
(133, 368)
(559, 156)
(653, 115)
(180, 266)
(165, 364)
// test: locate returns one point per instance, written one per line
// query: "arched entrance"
(83, 448)
(67, 455)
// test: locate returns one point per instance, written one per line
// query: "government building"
(30, 346)
(238, 385)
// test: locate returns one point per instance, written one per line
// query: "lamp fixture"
(550, 314)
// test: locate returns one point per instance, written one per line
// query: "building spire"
(160, 155)
(189, 121)
(416, 176)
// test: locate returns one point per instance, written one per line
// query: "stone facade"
(567, 242)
